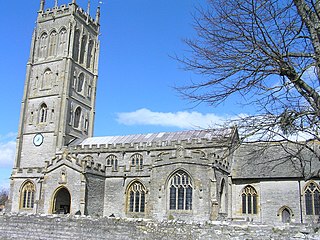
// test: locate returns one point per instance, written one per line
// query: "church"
(196, 175)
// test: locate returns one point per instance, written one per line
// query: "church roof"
(212, 134)
(274, 160)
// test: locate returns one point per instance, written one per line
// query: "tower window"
(312, 199)
(89, 54)
(80, 82)
(249, 200)
(180, 190)
(83, 48)
(43, 113)
(27, 196)
(53, 43)
(77, 116)
(43, 45)
(136, 197)
(62, 41)
(76, 45)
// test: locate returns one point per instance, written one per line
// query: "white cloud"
(182, 119)
(7, 150)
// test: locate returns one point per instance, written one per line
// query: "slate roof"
(269, 160)
(215, 135)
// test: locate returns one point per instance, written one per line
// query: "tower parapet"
(47, 14)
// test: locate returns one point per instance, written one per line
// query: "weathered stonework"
(188, 176)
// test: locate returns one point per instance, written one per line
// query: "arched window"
(136, 197)
(137, 161)
(180, 187)
(47, 79)
(285, 216)
(80, 82)
(112, 161)
(89, 54)
(76, 45)
(43, 113)
(223, 197)
(43, 45)
(27, 195)
(312, 198)
(77, 116)
(53, 43)
(62, 41)
(83, 48)
(249, 200)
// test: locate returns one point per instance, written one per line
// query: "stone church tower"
(58, 105)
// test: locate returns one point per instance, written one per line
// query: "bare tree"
(4, 193)
(266, 52)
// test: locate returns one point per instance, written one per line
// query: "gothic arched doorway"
(61, 201)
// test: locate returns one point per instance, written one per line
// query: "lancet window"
(77, 117)
(76, 45)
(80, 82)
(180, 188)
(43, 113)
(62, 40)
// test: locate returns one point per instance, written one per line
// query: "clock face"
(38, 139)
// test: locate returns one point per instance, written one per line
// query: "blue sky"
(136, 73)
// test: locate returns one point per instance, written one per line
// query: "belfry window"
(137, 161)
(75, 53)
(112, 161)
(249, 200)
(77, 117)
(43, 45)
(43, 113)
(27, 196)
(180, 188)
(83, 48)
(53, 43)
(312, 199)
(136, 197)
(62, 41)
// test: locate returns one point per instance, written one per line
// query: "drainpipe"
(300, 199)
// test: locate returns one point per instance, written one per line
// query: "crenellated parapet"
(69, 9)
(29, 172)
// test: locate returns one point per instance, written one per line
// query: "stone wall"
(66, 227)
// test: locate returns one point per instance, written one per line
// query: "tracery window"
(112, 160)
(80, 82)
(136, 197)
(137, 161)
(62, 41)
(53, 43)
(180, 186)
(312, 199)
(43, 45)
(77, 116)
(43, 113)
(249, 200)
(27, 195)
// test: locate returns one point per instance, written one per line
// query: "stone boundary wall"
(18, 226)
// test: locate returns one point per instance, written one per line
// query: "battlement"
(146, 146)
(67, 9)
(27, 172)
